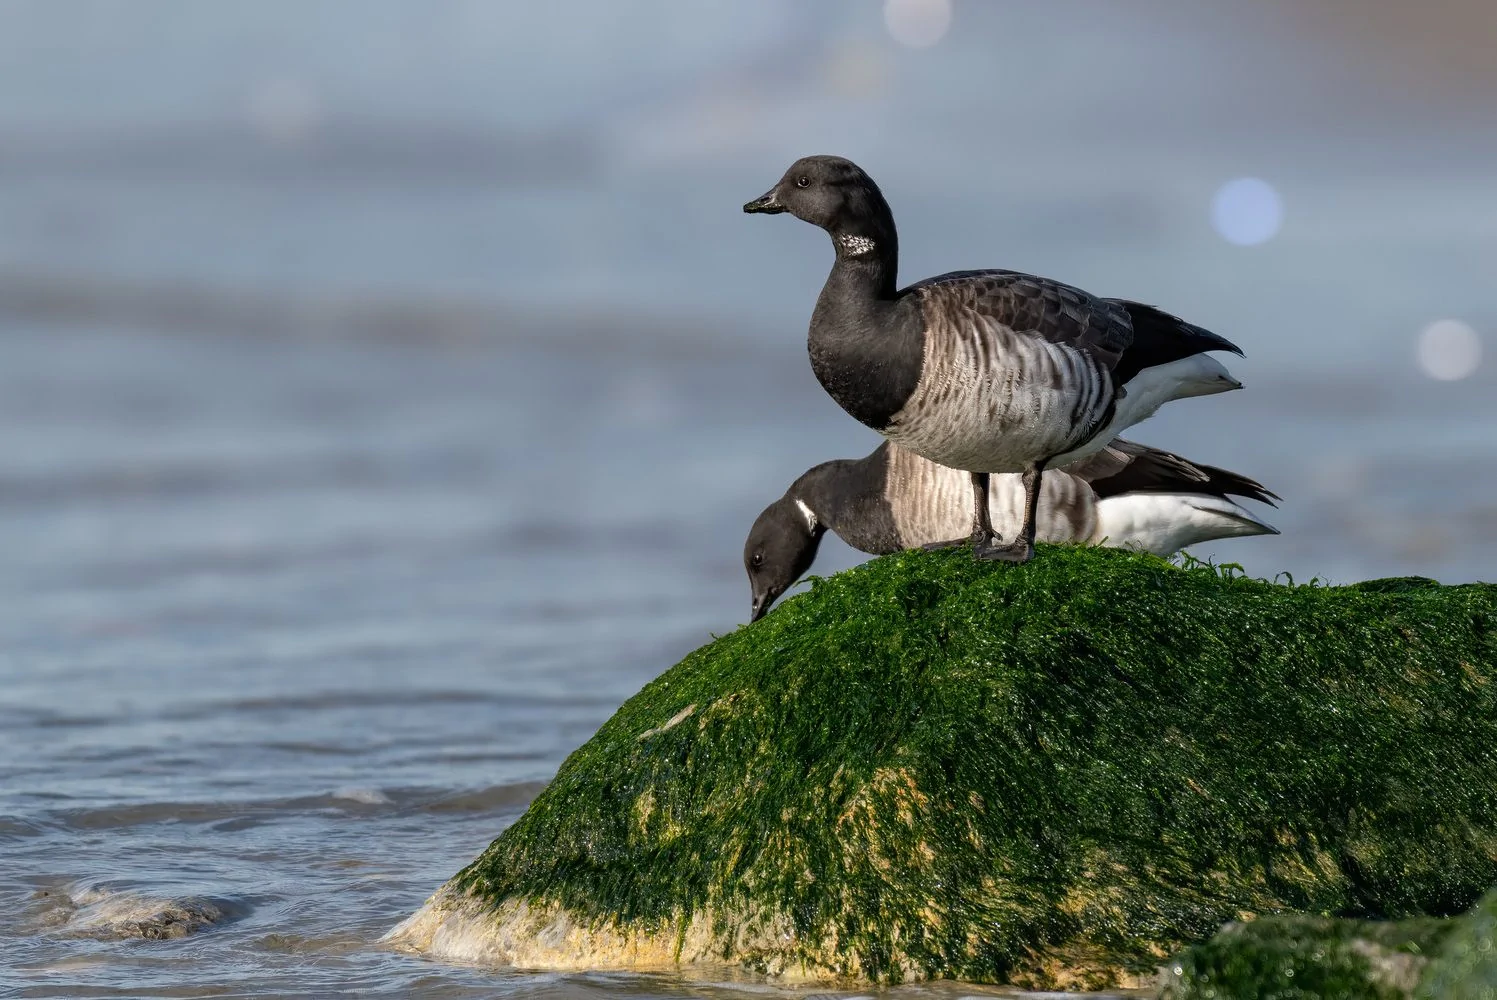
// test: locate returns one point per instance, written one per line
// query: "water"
(368, 434)
(292, 630)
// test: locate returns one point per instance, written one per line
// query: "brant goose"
(983, 371)
(1126, 496)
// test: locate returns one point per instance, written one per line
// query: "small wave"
(11, 826)
(114, 914)
(198, 309)
(487, 799)
(364, 800)
(365, 796)
(299, 944)
(43, 720)
(320, 701)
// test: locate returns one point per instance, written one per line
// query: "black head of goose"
(780, 548)
(848, 496)
(1125, 496)
(982, 371)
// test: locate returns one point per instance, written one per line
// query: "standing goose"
(982, 371)
(1125, 496)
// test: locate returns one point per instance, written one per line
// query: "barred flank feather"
(1172, 502)
(993, 399)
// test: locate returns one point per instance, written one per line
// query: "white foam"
(459, 928)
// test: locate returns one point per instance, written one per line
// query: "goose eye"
(802, 181)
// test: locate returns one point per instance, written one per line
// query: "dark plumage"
(1159, 338)
(1125, 467)
(984, 371)
(1126, 495)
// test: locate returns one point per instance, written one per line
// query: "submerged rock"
(1053, 775)
(108, 913)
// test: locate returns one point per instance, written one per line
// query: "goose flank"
(1126, 496)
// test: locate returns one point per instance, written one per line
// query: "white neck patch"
(808, 514)
(856, 246)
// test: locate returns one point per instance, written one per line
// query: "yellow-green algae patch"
(1050, 775)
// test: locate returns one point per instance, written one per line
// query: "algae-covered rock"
(1319, 958)
(1465, 966)
(1307, 958)
(1051, 775)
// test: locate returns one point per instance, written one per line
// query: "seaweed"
(1050, 775)
(1308, 958)
(1465, 966)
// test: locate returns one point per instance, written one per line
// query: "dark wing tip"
(1234, 484)
(1171, 335)
(1151, 470)
(1222, 343)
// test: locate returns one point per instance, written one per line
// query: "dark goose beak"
(760, 607)
(767, 204)
(762, 603)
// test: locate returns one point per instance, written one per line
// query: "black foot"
(1014, 552)
(977, 540)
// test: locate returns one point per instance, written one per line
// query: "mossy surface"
(1318, 958)
(1465, 966)
(1308, 958)
(1055, 774)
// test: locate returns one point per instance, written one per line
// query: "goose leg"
(982, 518)
(983, 534)
(1021, 549)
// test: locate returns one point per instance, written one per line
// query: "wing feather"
(1032, 306)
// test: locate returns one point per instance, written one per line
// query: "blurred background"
(386, 387)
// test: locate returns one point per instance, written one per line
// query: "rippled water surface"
(291, 631)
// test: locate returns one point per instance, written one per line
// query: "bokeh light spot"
(917, 23)
(1448, 350)
(283, 111)
(1247, 211)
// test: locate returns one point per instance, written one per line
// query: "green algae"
(1056, 774)
(1307, 958)
(1465, 966)
(1318, 958)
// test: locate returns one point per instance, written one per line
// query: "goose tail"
(1165, 523)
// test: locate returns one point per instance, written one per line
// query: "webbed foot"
(1019, 551)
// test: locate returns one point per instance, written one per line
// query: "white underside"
(1165, 523)
(1197, 375)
